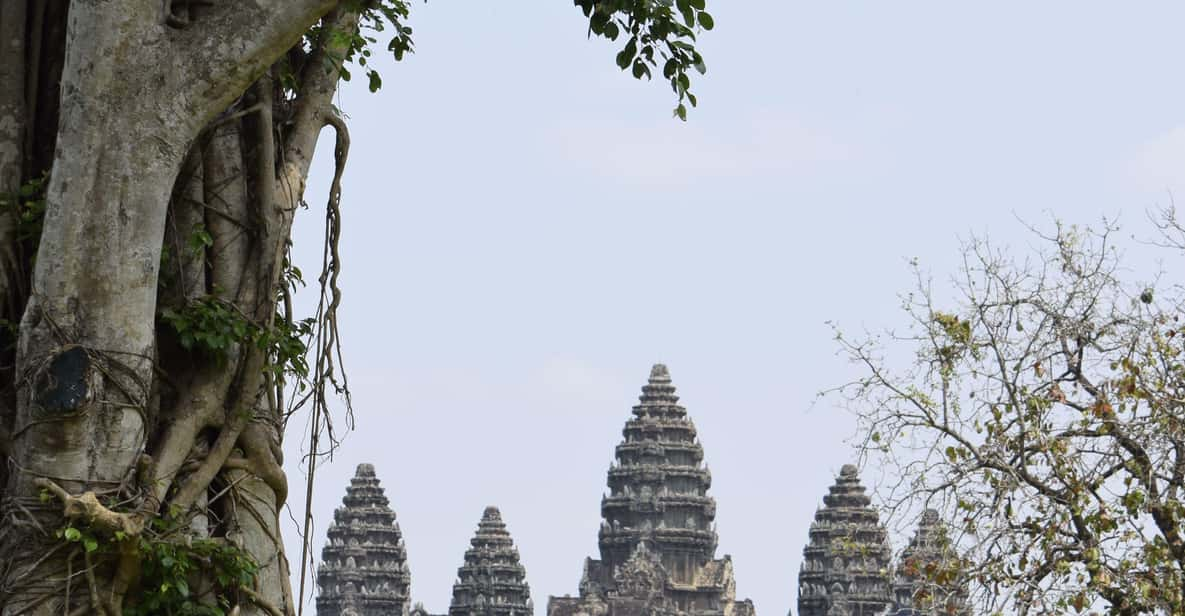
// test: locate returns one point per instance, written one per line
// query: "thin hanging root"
(87, 509)
(341, 152)
(262, 603)
(96, 602)
(327, 340)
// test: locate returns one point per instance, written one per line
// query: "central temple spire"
(658, 486)
(657, 538)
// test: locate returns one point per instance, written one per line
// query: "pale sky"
(527, 231)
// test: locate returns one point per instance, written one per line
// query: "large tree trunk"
(111, 426)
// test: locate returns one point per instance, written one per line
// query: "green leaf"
(376, 81)
(641, 69)
(669, 69)
(706, 21)
(626, 55)
(90, 544)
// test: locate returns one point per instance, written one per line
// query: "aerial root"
(262, 603)
(261, 460)
(87, 509)
(96, 603)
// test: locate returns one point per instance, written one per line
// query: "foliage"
(384, 17)
(169, 566)
(200, 239)
(659, 32)
(169, 563)
(81, 536)
(1046, 413)
(28, 208)
(659, 35)
(210, 326)
(213, 327)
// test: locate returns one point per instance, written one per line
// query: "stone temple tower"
(845, 568)
(363, 568)
(657, 537)
(491, 582)
(920, 587)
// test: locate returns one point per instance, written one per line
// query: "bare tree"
(1042, 410)
(152, 158)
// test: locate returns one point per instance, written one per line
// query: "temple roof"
(491, 581)
(846, 561)
(658, 484)
(929, 556)
(364, 563)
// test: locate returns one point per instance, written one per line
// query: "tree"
(1044, 411)
(152, 158)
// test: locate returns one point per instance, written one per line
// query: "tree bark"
(136, 93)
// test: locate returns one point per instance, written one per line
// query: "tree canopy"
(1043, 410)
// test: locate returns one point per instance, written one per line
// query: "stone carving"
(491, 582)
(837, 601)
(657, 540)
(921, 586)
(848, 552)
(642, 576)
(363, 568)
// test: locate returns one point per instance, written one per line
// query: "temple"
(657, 545)
(846, 563)
(921, 587)
(363, 568)
(657, 537)
(491, 582)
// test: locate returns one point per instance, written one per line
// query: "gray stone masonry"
(363, 569)
(846, 562)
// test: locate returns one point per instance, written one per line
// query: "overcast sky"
(527, 231)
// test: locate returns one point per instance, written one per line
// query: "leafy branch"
(661, 33)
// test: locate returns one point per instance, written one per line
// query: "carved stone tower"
(491, 582)
(657, 537)
(364, 564)
(921, 587)
(845, 566)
